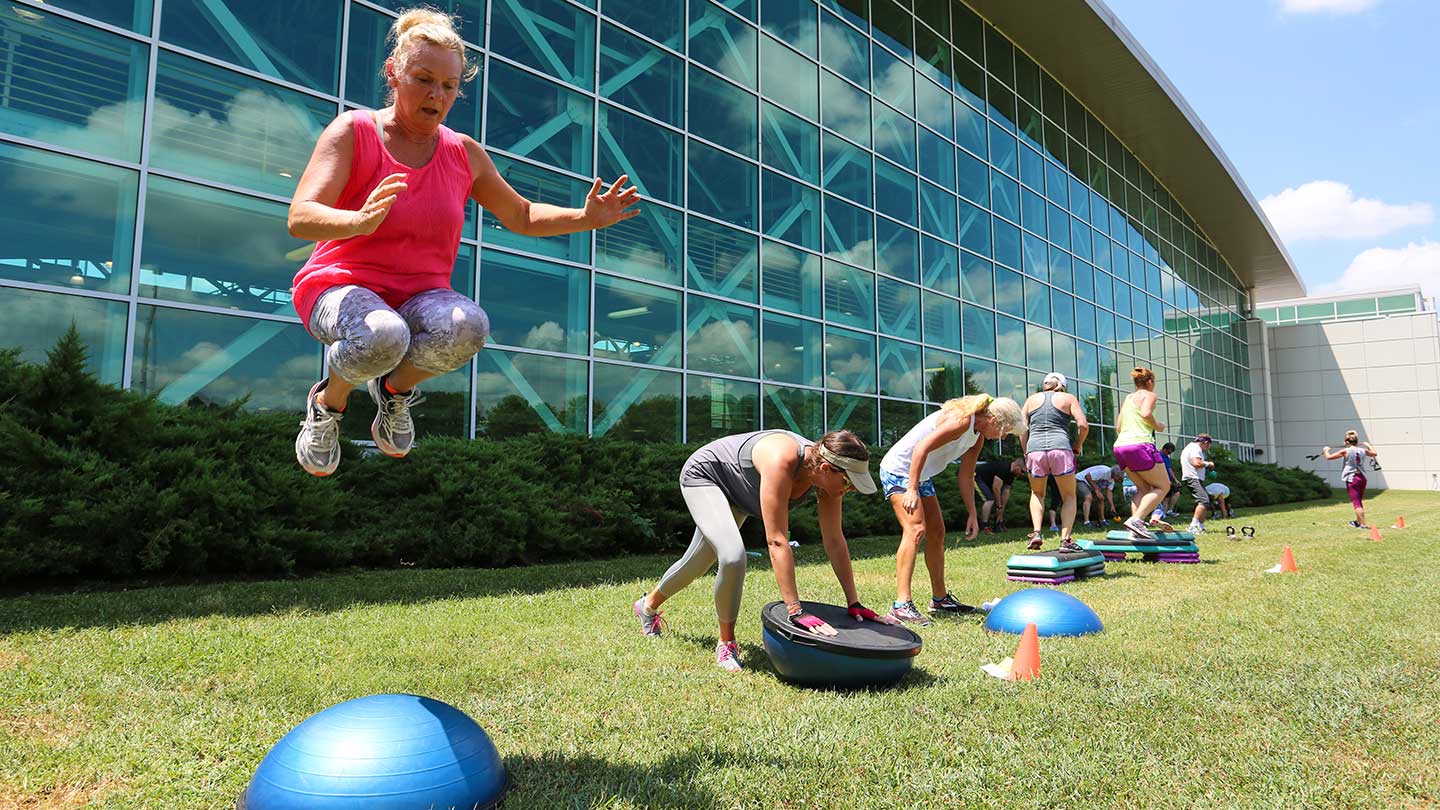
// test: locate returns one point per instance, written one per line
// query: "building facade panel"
(854, 211)
(1384, 389)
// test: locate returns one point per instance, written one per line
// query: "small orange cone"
(1375, 534)
(1287, 562)
(1027, 656)
(1399, 523)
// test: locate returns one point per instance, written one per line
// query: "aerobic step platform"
(1122, 536)
(1043, 577)
(1054, 567)
(1171, 547)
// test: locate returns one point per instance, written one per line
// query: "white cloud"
(1392, 267)
(1327, 6)
(1326, 209)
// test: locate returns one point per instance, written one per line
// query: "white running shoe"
(317, 448)
(393, 429)
(727, 656)
(1138, 529)
(650, 623)
(1197, 528)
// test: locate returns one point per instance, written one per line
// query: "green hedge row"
(102, 484)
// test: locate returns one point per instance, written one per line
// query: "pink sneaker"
(650, 624)
(727, 656)
(1138, 530)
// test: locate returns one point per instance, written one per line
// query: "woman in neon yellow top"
(1136, 454)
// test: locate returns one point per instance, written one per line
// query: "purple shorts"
(1355, 488)
(1050, 462)
(1137, 457)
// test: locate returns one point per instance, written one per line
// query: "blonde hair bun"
(427, 25)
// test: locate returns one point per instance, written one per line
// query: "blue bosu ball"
(1054, 613)
(382, 752)
(862, 654)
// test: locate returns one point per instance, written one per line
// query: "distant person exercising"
(994, 480)
(1099, 483)
(1136, 454)
(1050, 453)
(1167, 506)
(1354, 452)
(1220, 494)
(383, 196)
(1193, 466)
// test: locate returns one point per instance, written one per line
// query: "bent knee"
(470, 327)
(452, 337)
(375, 351)
(731, 564)
(916, 532)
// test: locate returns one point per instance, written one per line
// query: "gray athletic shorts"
(1196, 487)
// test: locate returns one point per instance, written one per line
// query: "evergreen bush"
(103, 484)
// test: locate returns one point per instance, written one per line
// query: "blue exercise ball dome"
(382, 752)
(1054, 613)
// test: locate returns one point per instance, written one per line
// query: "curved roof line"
(1086, 47)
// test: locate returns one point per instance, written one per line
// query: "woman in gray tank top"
(762, 474)
(1050, 454)
(1352, 473)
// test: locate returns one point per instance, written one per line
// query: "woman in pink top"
(384, 196)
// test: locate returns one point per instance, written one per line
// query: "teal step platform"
(1139, 546)
(1054, 567)
(1055, 560)
(1160, 537)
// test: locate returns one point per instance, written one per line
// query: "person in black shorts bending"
(993, 479)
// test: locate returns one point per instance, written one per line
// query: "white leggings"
(717, 539)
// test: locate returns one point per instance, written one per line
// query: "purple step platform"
(1176, 557)
(1042, 580)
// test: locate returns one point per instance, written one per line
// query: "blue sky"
(1330, 109)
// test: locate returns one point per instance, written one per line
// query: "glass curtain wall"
(854, 210)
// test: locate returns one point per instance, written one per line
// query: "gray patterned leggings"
(437, 331)
(716, 540)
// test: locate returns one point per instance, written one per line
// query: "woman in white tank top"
(952, 433)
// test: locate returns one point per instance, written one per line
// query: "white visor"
(857, 470)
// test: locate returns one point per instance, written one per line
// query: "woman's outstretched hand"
(609, 207)
(377, 205)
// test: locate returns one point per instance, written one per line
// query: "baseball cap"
(857, 470)
(1204, 437)
(1057, 378)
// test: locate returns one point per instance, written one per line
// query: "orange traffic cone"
(1399, 523)
(1375, 534)
(1027, 656)
(1287, 562)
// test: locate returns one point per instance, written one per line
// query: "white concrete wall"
(1255, 335)
(1379, 376)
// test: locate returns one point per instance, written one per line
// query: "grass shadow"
(755, 659)
(324, 593)
(112, 606)
(555, 779)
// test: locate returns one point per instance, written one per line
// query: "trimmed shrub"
(104, 484)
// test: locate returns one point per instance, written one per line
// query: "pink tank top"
(414, 249)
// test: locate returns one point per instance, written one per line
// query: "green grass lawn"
(1213, 684)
